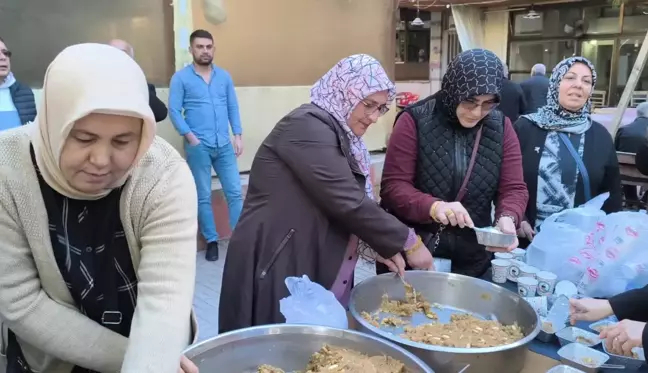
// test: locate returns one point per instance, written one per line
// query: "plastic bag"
(619, 260)
(214, 11)
(309, 303)
(583, 217)
(561, 245)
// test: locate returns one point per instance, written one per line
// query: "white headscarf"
(85, 79)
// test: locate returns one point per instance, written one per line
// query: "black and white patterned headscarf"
(472, 73)
(552, 116)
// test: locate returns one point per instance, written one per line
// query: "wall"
(291, 43)
(276, 49)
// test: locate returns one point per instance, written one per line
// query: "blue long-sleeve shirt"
(209, 109)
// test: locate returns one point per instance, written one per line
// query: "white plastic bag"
(214, 11)
(619, 257)
(309, 303)
(583, 217)
(561, 246)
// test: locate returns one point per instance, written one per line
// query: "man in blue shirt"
(206, 93)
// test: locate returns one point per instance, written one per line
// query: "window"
(635, 18)
(36, 34)
(525, 54)
(551, 23)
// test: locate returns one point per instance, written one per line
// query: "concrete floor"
(208, 284)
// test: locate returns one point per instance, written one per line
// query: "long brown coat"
(305, 198)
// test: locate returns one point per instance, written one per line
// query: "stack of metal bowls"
(454, 294)
(288, 347)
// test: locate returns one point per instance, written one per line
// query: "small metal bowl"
(564, 369)
(582, 357)
(629, 362)
(577, 335)
(492, 237)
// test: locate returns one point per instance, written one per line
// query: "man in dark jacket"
(630, 138)
(535, 88)
(157, 106)
(512, 102)
(17, 106)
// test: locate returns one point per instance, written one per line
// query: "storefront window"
(600, 53)
(635, 18)
(37, 33)
(551, 23)
(602, 20)
(628, 53)
(525, 54)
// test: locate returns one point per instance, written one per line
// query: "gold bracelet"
(433, 211)
(414, 248)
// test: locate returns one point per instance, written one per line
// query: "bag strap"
(471, 165)
(579, 163)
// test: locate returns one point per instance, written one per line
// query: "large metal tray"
(288, 347)
(456, 294)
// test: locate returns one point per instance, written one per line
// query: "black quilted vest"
(444, 152)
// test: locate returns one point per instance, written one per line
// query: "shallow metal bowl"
(491, 237)
(456, 293)
(288, 347)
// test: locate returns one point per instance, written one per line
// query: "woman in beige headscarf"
(97, 226)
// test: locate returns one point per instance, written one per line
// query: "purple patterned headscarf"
(341, 89)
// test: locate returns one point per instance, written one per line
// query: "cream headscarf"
(84, 79)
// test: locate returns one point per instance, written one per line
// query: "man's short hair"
(642, 110)
(200, 34)
(539, 69)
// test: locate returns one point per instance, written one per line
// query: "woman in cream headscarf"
(98, 227)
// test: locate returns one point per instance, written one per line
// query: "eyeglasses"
(6, 52)
(472, 105)
(372, 107)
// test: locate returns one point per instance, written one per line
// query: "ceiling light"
(531, 15)
(417, 22)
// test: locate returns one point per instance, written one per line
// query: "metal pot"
(288, 347)
(455, 293)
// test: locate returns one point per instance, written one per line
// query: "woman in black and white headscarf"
(431, 179)
(568, 158)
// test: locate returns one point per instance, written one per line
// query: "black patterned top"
(93, 256)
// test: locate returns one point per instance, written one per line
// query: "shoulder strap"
(471, 165)
(579, 164)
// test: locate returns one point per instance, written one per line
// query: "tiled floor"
(208, 284)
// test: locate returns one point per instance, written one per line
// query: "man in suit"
(630, 138)
(159, 109)
(535, 88)
(512, 102)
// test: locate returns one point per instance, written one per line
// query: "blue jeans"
(201, 158)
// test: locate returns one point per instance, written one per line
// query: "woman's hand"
(187, 366)
(589, 309)
(526, 231)
(420, 258)
(395, 264)
(505, 224)
(452, 213)
(621, 338)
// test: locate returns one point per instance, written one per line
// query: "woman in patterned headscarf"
(429, 179)
(310, 208)
(567, 157)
